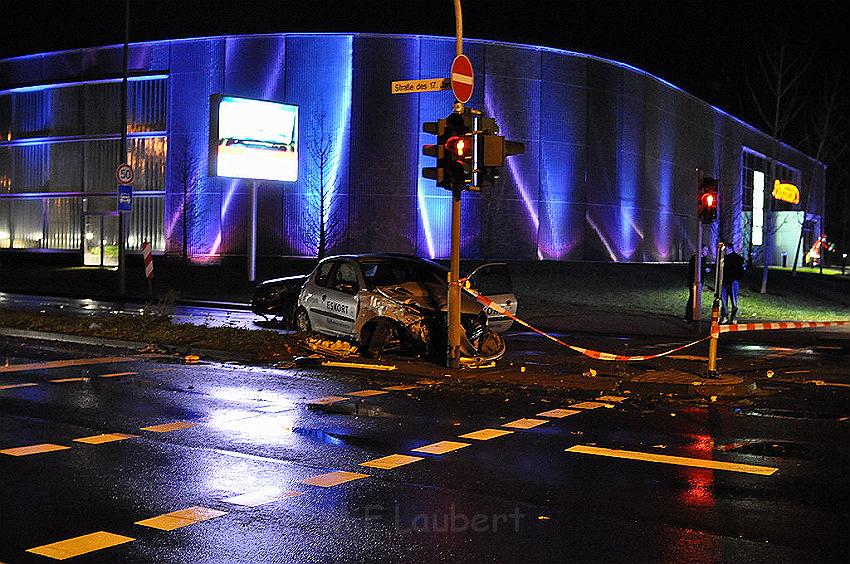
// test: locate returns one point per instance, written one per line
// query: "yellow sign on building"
(786, 192)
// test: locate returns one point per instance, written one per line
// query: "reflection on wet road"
(139, 460)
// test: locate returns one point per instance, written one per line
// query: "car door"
(317, 285)
(494, 281)
(337, 306)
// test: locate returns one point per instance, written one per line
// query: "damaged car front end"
(394, 303)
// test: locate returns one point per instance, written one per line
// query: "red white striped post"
(147, 257)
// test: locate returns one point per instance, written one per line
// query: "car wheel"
(302, 321)
(377, 336)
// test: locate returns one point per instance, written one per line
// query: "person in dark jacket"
(689, 307)
(733, 271)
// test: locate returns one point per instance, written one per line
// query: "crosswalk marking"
(525, 423)
(327, 400)
(612, 399)
(333, 479)
(181, 518)
(485, 434)
(168, 427)
(391, 461)
(104, 438)
(367, 393)
(63, 380)
(76, 546)
(261, 497)
(117, 374)
(676, 460)
(559, 413)
(441, 447)
(400, 388)
(33, 449)
(589, 405)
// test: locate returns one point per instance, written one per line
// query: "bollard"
(715, 312)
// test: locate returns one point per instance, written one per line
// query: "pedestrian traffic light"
(453, 152)
(707, 204)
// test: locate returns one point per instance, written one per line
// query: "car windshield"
(393, 272)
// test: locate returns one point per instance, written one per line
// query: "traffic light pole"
(697, 289)
(454, 327)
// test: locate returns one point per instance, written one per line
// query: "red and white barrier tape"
(737, 327)
(586, 352)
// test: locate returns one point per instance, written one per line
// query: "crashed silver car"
(389, 302)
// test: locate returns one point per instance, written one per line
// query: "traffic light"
(492, 150)
(707, 204)
(468, 150)
(453, 152)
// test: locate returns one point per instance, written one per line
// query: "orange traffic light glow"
(708, 200)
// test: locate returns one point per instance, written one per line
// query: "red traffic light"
(458, 147)
(708, 200)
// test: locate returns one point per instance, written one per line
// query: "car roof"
(368, 257)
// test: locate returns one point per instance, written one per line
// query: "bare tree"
(778, 101)
(324, 227)
(827, 137)
(188, 178)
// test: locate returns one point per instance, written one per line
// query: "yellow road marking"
(364, 366)
(117, 374)
(80, 545)
(485, 434)
(333, 479)
(367, 393)
(559, 413)
(831, 384)
(441, 447)
(105, 438)
(261, 497)
(62, 380)
(66, 363)
(33, 449)
(167, 427)
(182, 518)
(13, 386)
(589, 405)
(400, 388)
(676, 460)
(391, 461)
(327, 400)
(612, 399)
(525, 423)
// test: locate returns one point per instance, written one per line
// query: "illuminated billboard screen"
(254, 139)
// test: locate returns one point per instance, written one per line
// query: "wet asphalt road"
(514, 498)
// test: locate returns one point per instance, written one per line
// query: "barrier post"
(715, 311)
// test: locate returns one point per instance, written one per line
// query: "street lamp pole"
(122, 239)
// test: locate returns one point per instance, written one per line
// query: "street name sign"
(421, 85)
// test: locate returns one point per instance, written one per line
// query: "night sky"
(707, 48)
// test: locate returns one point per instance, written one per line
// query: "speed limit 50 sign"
(124, 174)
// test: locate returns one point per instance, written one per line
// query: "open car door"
(494, 281)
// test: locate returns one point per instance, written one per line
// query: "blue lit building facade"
(608, 173)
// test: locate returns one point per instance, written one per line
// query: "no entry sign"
(462, 81)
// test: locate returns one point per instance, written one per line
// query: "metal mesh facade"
(608, 173)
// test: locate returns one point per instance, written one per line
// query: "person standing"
(689, 307)
(733, 271)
